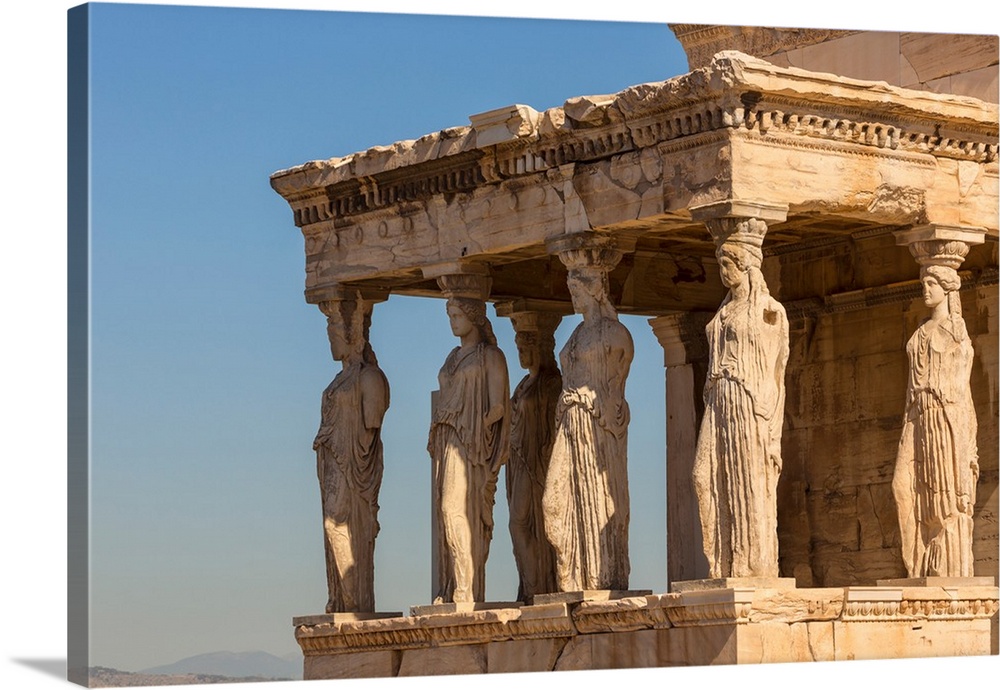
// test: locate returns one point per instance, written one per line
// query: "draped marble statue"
(349, 458)
(586, 501)
(738, 453)
(937, 467)
(532, 432)
(468, 443)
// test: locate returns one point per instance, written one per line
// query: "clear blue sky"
(207, 363)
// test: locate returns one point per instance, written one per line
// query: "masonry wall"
(942, 63)
(963, 64)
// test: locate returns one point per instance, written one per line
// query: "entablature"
(841, 155)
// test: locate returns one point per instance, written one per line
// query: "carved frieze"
(949, 606)
(436, 630)
(716, 613)
(621, 615)
(945, 609)
(695, 609)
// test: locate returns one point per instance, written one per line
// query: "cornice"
(735, 93)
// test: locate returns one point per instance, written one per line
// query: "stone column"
(685, 357)
(469, 437)
(532, 432)
(349, 451)
(586, 501)
(738, 455)
(937, 468)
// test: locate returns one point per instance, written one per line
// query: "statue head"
(347, 324)
(940, 283)
(588, 287)
(740, 262)
(528, 349)
(465, 313)
(586, 284)
(737, 258)
(534, 335)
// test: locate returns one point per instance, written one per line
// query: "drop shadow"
(50, 667)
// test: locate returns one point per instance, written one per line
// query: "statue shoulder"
(774, 313)
(493, 356)
(619, 335)
(372, 375)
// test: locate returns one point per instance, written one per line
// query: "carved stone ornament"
(937, 464)
(586, 501)
(738, 455)
(468, 443)
(532, 432)
(349, 457)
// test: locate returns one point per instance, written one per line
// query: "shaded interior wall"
(846, 384)
(962, 64)
(942, 63)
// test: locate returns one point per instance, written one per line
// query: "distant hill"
(104, 677)
(234, 665)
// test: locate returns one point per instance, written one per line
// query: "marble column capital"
(542, 322)
(741, 209)
(336, 292)
(733, 220)
(467, 279)
(940, 245)
(513, 308)
(589, 250)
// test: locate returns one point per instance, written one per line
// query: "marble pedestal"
(741, 625)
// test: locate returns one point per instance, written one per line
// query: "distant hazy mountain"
(235, 665)
(104, 677)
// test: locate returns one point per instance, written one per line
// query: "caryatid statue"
(738, 454)
(532, 432)
(586, 500)
(468, 443)
(349, 457)
(937, 465)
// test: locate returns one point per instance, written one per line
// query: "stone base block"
(343, 617)
(444, 661)
(515, 656)
(587, 595)
(734, 583)
(383, 664)
(938, 582)
(462, 607)
(731, 625)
